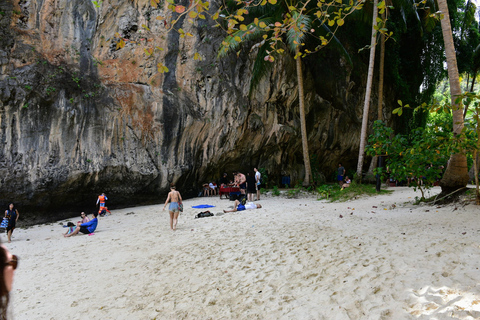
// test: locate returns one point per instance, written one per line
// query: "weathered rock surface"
(79, 116)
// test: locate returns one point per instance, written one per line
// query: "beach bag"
(204, 214)
(180, 207)
(4, 223)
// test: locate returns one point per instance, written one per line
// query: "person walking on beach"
(174, 198)
(12, 215)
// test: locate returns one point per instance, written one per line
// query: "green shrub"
(275, 191)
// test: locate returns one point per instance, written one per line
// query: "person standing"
(224, 181)
(258, 175)
(340, 174)
(101, 200)
(12, 215)
(251, 186)
(241, 182)
(174, 197)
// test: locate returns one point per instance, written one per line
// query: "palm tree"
(298, 19)
(366, 106)
(294, 37)
(456, 174)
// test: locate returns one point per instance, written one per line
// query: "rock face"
(80, 116)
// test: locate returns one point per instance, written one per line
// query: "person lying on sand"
(240, 207)
(87, 228)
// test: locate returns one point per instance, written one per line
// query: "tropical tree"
(366, 105)
(288, 23)
(456, 174)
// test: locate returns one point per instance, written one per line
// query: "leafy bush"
(420, 159)
(275, 191)
(324, 191)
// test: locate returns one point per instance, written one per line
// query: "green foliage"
(97, 62)
(28, 87)
(333, 192)
(97, 4)
(293, 193)
(50, 90)
(275, 191)
(324, 191)
(422, 157)
(263, 190)
(272, 27)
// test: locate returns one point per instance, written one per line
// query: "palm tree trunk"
(366, 106)
(381, 67)
(456, 174)
(303, 125)
(381, 71)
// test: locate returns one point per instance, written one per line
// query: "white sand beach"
(385, 258)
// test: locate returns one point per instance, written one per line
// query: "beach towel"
(202, 206)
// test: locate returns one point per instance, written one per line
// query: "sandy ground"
(293, 259)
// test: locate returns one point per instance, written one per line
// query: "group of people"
(249, 184)
(343, 180)
(87, 225)
(210, 189)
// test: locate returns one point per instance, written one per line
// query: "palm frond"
(260, 67)
(298, 30)
(233, 41)
(338, 44)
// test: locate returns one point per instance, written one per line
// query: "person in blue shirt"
(87, 227)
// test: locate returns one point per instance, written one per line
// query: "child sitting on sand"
(71, 228)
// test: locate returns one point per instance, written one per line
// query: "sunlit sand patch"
(438, 303)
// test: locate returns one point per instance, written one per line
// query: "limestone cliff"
(80, 116)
